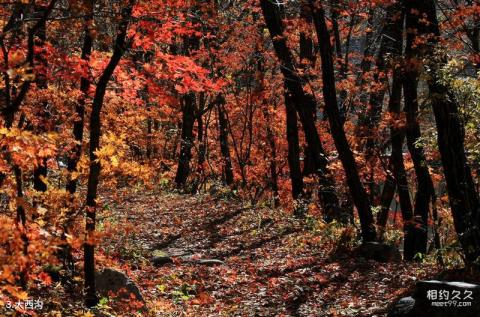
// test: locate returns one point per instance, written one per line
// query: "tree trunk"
(302, 103)
(80, 106)
(462, 194)
(273, 157)
(224, 146)
(188, 121)
(425, 192)
(386, 197)
(307, 63)
(201, 132)
(397, 137)
(367, 127)
(293, 148)
(334, 9)
(359, 195)
(120, 46)
(13, 103)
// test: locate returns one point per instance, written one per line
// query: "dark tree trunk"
(78, 124)
(397, 137)
(334, 8)
(307, 63)
(201, 140)
(425, 192)
(14, 102)
(397, 134)
(188, 121)
(386, 197)
(302, 103)
(224, 145)
(21, 219)
(366, 63)
(389, 45)
(120, 46)
(367, 128)
(149, 137)
(462, 194)
(293, 148)
(273, 158)
(201, 133)
(359, 195)
(39, 174)
(343, 72)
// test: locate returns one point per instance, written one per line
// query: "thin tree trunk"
(307, 63)
(387, 46)
(14, 103)
(334, 8)
(78, 124)
(293, 148)
(386, 198)
(367, 127)
(21, 219)
(201, 132)
(273, 158)
(149, 137)
(359, 195)
(120, 46)
(397, 137)
(425, 192)
(224, 145)
(366, 63)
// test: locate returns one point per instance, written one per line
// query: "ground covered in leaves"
(271, 263)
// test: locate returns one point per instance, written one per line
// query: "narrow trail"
(273, 265)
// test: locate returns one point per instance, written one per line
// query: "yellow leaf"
(22, 295)
(41, 211)
(74, 175)
(114, 160)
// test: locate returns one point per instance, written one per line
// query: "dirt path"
(272, 264)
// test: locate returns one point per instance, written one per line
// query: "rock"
(440, 299)
(161, 257)
(210, 262)
(110, 280)
(161, 260)
(54, 271)
(403, 307)
(380, 252)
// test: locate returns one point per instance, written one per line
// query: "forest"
(240, 158)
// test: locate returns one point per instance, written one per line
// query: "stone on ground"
(440, 299)
(112, 281)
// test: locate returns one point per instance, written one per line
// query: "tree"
(120, 46)
(357, 190)
(463, 196)
(302, 103)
